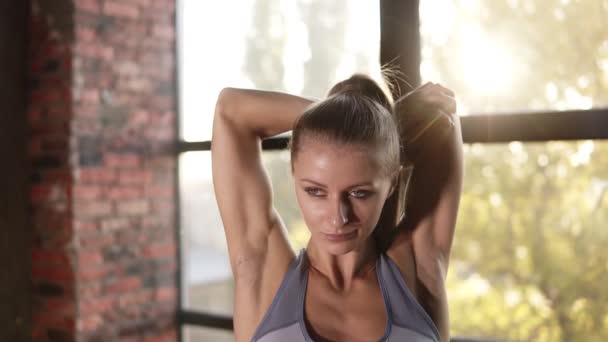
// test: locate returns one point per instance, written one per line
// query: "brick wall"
(101, 128)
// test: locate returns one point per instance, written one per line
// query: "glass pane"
(202, 334)
(517, 55)
(207, 278)
(529, 260)
(301, 47)
(206, 273)
(284, 197)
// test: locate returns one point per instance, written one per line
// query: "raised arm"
(432, 142)
(259, 251)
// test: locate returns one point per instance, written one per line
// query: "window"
(517, 55)
(528, 260)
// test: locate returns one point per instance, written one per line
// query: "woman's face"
(341, 190)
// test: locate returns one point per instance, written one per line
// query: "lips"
(340, 237)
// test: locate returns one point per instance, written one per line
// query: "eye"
(314, 191)
(360, 193)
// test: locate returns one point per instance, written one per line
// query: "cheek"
(311, 210)
(369, 212)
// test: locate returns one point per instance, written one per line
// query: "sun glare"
(487, 66)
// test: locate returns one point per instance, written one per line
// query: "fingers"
(448, 104)
(445, 90)
(449, 118)
(441, 97)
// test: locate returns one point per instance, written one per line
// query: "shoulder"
(256, 298)
(426, 286)
(419, 260)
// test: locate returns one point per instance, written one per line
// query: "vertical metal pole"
(400, 41)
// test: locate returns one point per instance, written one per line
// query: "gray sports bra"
(406, 319)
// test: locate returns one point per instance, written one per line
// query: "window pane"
(207, 278)
(206, 273)
(517, 55)
(202, 334)
(301, 47)
(529, 261)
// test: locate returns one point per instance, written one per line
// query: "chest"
(359, 315)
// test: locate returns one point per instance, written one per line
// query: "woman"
(364, 275)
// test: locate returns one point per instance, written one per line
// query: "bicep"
(244, 196)
(432, 206)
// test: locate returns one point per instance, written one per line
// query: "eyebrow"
(323, 185)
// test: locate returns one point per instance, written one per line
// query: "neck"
(341, 271)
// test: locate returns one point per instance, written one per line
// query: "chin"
(339, 248)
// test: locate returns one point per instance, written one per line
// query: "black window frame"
(400, 45)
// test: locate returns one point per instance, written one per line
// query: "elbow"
(226, 103)
(226, 111)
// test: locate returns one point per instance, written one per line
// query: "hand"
(427, 113)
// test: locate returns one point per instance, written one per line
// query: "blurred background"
(109, 229)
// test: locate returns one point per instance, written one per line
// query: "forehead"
(336, 164)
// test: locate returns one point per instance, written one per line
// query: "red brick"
(96, 241)
(61, 276)
(121, 160)
(134, 176)
(96, 175)
(124, 193)
(163, 250)
(120, 9)
(133, 207)
(94, 50)
(124, 284)
(87, 192)
(131, 56)
(96, 305)
(134, 298)
(85, 226)
(112, 224)
(89, 259)
(159, 191)
(89, 96)
(167, 336)
(57, 175)
(92, 209)
(39, 193)
(47, 96)
(86, 124)
(54, 144)
(88, 289)
(143, 3)
(91, 273)
(166, 293)
(89, 322)
(151, 222)
(163, 206)
(60, 306)
(49, 257)
(88, 6)
(86, 34)
(164, 31)
(50, 319)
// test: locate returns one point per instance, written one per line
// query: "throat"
(341, 283)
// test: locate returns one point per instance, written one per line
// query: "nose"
(341, 212)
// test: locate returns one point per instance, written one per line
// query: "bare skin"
(328, 180)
